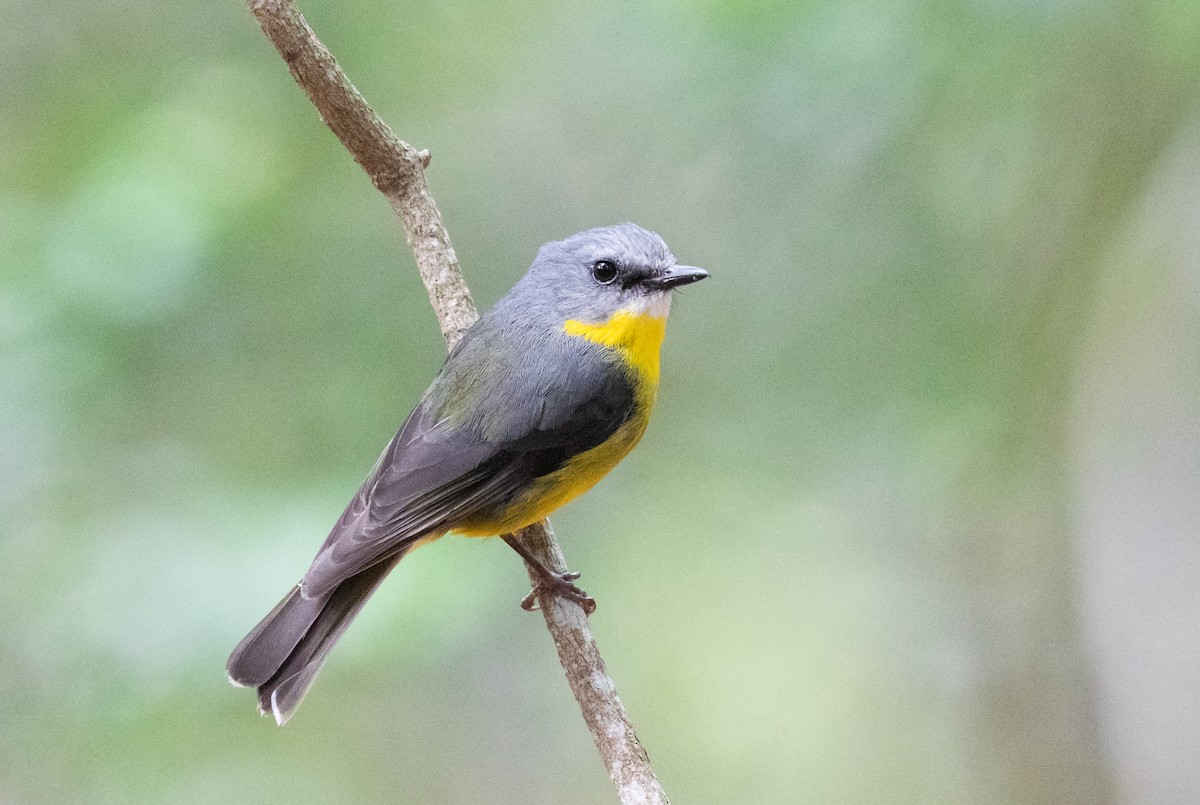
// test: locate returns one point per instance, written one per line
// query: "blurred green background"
(918, 518)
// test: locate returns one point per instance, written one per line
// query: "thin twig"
(397, 170)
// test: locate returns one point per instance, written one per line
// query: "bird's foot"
(558, 583)
(561, 584)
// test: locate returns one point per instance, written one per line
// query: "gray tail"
(282, 655)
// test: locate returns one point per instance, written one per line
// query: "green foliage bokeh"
(954, 295)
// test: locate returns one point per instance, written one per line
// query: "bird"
(543, 395)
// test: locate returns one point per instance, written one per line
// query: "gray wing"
(461, 454)
(425, 480)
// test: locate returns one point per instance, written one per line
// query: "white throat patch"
(656, 305)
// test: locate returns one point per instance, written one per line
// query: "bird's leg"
(560, 583)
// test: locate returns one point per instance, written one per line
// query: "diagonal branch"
(397, 170)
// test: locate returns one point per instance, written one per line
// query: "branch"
(398, 171)
(394, 167)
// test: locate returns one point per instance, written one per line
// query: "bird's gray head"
(593, 275)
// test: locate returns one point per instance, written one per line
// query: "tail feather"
(259, 655)
(282, 655)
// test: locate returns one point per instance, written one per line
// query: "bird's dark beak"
(675, 276)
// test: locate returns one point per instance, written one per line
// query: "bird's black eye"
(604, 271)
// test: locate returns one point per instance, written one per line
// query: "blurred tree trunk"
(1023, 569)
(1136, 435)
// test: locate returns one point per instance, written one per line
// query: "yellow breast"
(638, 339)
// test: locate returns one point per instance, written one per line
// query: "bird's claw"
(560, 584)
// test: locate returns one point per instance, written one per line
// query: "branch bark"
(397, 170)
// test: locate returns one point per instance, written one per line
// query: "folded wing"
(443, 468)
